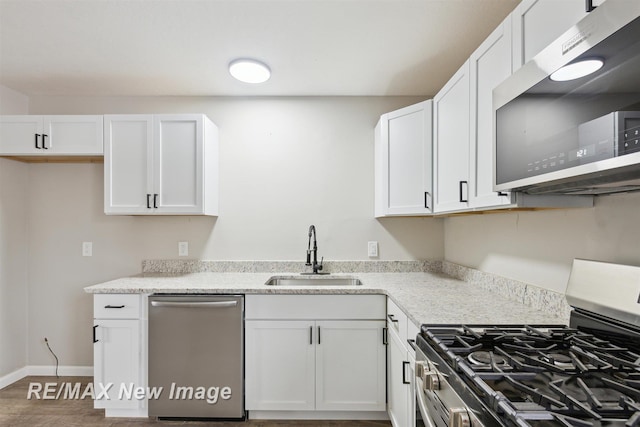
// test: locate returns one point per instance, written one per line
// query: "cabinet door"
(536, 23)
(280, 365)
(350, 367)
(127, 164)
(178, 163)
(117, 361)
(73, 135)
(451, 143)
(405, 161)
(490, 65)
(398, 382)
(20, 135)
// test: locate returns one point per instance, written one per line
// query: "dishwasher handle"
(195, 304)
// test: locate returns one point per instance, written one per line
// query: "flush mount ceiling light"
(249, 71)
(577, 70)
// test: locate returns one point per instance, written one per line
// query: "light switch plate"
(372, 249)
(183, 248)
(87, 248)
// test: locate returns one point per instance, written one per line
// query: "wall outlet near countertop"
(183, 248)
(372, 249)
(87, 248)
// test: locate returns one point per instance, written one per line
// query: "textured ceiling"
(183, 47)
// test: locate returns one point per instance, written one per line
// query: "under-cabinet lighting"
(577, 69)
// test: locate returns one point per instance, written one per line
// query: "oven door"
(418, 418)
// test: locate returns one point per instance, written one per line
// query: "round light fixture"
(249, 71)
(577, 69)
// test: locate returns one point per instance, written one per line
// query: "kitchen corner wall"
(13, 249)
(285, 163)
(539, 247)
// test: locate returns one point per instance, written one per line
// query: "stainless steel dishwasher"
(196, 354)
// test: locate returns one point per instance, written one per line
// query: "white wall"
(13, 249)
(286, 163)
(538, 247)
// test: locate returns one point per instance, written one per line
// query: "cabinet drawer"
(339, 307)
(117, 306)
(397, 320)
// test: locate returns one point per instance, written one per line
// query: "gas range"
(584, 374)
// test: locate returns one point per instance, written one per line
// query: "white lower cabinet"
(400, 368)
(280, 365)
(323, 360)
(119, 355)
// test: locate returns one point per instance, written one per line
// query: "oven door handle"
(422, 405)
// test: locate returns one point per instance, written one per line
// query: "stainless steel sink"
(313, 280)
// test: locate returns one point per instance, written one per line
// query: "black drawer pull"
(37, 135)
(155, 201)
(311, 335)
(114, 306)
(426, 203)
(404, 371)
(94, 334)
(318, 334)
(148, 201)
(462, 200)
(44, 141)
(392, 318)
(385, 339)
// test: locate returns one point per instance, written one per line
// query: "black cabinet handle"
(318, 334)
(37, 135)
(462, 200)
(502, 194)
(426, 203)
(404, 371)
(589, 6)
(94, 334)
(44, 141)
(311, 335)
(412, 343)
(155, 201)
(392, 318)
(114, 306)
(148, 201)
(385, 340)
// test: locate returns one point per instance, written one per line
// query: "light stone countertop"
(430, 298)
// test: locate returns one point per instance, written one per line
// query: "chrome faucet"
(316, 267)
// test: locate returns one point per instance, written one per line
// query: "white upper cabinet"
(451, 143)
(536, 23)
(51, 135)
(161, 164)
(490, 65)
(403, 162)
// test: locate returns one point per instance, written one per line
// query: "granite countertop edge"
(426, 298)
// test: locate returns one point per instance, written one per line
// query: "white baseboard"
(63, 371)
(12, 377)
(318, 415)
(45, 371)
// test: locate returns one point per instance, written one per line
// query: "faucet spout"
(316, 267)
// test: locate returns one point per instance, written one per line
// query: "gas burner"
(483, 358)
(559, 359)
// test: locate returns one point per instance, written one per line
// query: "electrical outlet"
(183, 248)
(372, 249)
(87, 248)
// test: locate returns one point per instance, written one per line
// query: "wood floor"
(17, 410)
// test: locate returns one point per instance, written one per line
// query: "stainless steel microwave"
(579, 136)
